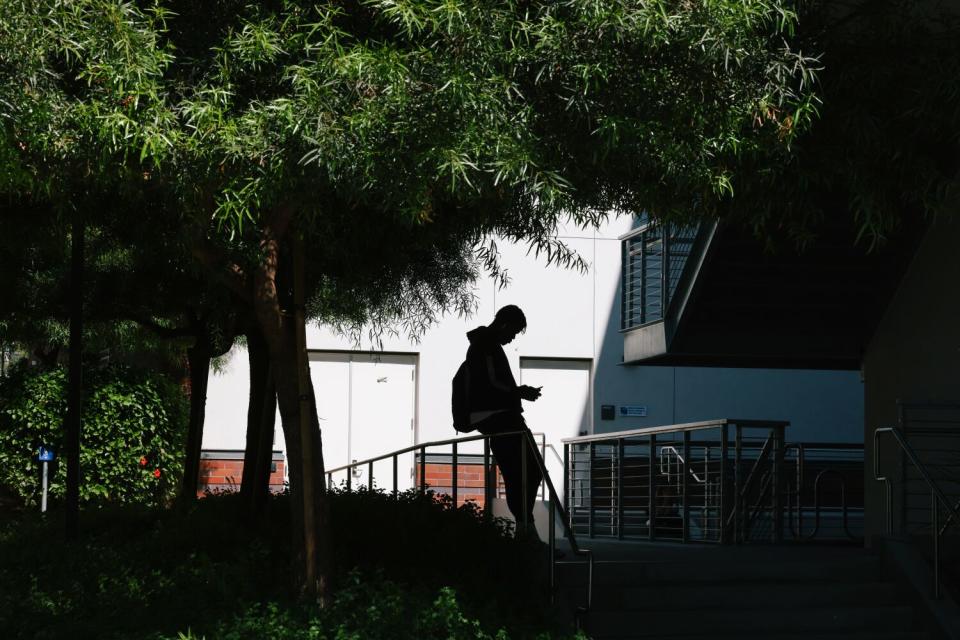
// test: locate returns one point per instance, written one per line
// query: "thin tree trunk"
(198, 358)
(261, 413)
(309, 518)
(75, 393)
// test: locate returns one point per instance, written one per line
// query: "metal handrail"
(936, 496)
(455, 442)
(800, 448)
(671, 428)
(765, 450)
(678, 455)
(731, 470)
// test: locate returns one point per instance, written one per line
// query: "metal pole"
(396, 491)
(329, 481)
(423, 470)
(43, 499)
(454, 472)
(350, 477)
(525, 490)
(801, 459)
(620, 448)
(724, 499)
(705, 514)
(487, 489)
(543, 456)
(593, 457)
(685, 486)
(552, 541)
(567, 472)
(738, 489)
(935, 521)
(370, 475)
(652, 490)
(777, 503)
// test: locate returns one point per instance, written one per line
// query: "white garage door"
(366, 403)
(563, 410)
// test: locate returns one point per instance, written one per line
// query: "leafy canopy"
(436, 121)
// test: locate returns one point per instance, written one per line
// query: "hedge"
(133, 429)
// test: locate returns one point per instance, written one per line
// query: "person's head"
(508, 322)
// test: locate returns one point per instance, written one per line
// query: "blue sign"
(46, 455)
(633, 411)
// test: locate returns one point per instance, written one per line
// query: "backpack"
(460, 400)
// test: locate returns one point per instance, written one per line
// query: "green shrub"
(204, 572)
(131, 450)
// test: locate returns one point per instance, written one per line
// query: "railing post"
(652, 490)
(724, 494)
(370, 475)
(455, 475)
(487, 489)
(567, 472)
(777, 502)
(620, 449)
(684, 468)
(350, 477)
(423, 470)
(543, 456)
(396, 488)
(552, 538)
(935, 522)
(329, 481)
(801, 459)
(525, 490)
(705, 514)
(738, 510)
(593, 456)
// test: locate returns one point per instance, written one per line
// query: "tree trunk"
(198, 358)
(261, 414)
(309, 516)
(75, 392)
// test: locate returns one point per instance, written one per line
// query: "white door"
(563, 410)
(367, 410)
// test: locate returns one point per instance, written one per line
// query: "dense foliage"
(399, 132)
(133, 428)
(413, 568)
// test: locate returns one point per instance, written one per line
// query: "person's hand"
(529, 393)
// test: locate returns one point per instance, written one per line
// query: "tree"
(882, 158)
(289, 134)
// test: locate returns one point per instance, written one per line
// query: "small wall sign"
(45, 455)
(633, 411)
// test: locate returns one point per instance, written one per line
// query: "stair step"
(740, 596)
(749, 622)
(737, 635)
(860, 569)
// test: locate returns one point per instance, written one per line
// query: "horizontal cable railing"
(939, 503)
(716, 481)
(487, 484)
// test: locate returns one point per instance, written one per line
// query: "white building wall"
(574, 315)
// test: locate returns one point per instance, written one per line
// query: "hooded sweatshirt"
(492, 386)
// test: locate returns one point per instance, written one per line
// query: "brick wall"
(223, 471)
(469, 480)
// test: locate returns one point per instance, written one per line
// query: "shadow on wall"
(821, 405)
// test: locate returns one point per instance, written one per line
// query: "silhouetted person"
(494, 404)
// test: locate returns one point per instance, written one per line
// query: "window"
(654, 257)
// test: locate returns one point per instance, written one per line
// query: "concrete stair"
(690, 592)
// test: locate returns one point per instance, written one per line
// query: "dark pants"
(508, 452)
